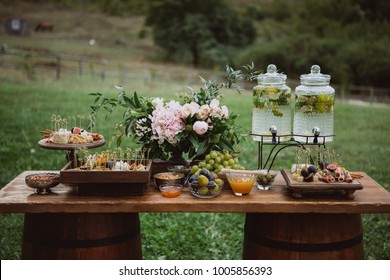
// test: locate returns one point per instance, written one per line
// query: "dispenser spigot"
(316, 132)
(273, 129)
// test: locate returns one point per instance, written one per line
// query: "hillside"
(114, 37)
(350, 41)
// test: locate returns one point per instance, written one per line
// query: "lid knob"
(315, 77)
(315, 69)
(271, 68)
(272, 77)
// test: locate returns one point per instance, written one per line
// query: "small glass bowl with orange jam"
(241, 183)
(170, 190)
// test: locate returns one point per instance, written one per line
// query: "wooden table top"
(17, 197)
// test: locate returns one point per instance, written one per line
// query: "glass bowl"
(42, 182)
(170, 190)
(241, 183)
(164, 178)
(264, 181)
(212, 190)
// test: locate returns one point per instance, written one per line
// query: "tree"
(200, 29)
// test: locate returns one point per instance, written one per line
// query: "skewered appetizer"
(112, 160)
(74, 136)
(329, 173)
(325, 172)
(61, 134)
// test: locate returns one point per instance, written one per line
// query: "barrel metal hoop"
(306, 247)
(58, 243)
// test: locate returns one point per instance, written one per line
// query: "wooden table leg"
(81, 236)
(303, 236)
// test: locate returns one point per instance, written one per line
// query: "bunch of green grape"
(215, 161)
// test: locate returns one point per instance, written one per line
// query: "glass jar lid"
(315, 77)
(272, 77)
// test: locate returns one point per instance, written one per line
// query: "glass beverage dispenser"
(314, 102)
(271, 105)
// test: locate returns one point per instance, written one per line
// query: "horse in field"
(44, 26)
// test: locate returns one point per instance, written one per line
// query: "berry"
(312, 169)
(214, 190)
(304, 172)
(309, 178)
(218, 182)
(210, 176)
(213, 154)
(203, 190)
(211, 185)
(323, 165)
(192, 178)
(203, 180)
(204, 171)
(209, 167)
(194, 168)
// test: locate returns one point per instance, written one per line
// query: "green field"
(26, 107)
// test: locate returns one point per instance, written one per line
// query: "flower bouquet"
(191, 126)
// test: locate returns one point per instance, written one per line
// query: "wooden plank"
(17, 197)
(319, 188)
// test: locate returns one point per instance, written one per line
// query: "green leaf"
(225, 145)
(193, 139)
(219, 129)
(202, 148)
(96, 99)
(128, 101)
(119, 140)
(108, 109)
(129, 126)
(136, 100)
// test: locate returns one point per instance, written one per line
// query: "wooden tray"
(110, 182)
(53, 146)
(298, 189)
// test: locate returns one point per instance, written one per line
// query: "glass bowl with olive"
(265, 180)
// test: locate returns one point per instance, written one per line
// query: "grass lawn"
(26, 107)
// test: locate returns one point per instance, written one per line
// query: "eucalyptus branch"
(252, 73)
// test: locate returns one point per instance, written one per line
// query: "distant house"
(16, 27)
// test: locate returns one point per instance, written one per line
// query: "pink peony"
(225, 112)
(214, 105)
(200, 127)
(158, 103)
(166, 124)
(189, 109)
(203, 112)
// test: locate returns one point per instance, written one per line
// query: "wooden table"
(66, 225)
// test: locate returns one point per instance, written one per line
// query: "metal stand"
(279, 145)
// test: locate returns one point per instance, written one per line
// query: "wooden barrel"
(280, 236)
(93, 236)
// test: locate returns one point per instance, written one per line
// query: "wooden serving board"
(53, 146)
(298, 189)
(109, 182)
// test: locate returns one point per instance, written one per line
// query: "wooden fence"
(35, 64)
(46, 65)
